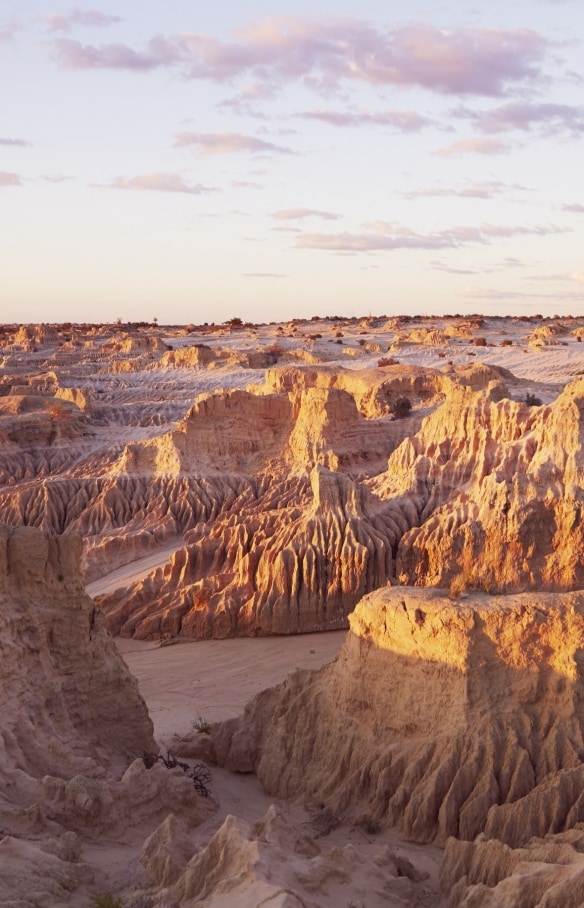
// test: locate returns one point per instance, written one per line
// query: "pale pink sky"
(269, 161)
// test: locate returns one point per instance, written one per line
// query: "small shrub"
(458, 585)
(386, 361)
(371, 826)
(199, 774)
(401, 407)
(108, 901)
(201, 725)
(532, 401)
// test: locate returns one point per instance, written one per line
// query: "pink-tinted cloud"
(8, 28)
(381, 236)
(547, 119)
(77, 16)
(213, 143)
(155, 182)
(473, 146)
(14, 143)
(400, 120)
(480, 190)
(375, 241)
(463, 61)
(296, 214)
(573, 277)
(574, 207)
(9, 179)
(73, 55)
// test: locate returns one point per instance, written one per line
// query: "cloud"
(77, 16)
(155, 182)
(15, 143)
(56, 178)
(9, 179)
(245, 184)
(472, 146)
(463, 61)
(574, 207)
(574, 277)
(547, 119)
(262, 274)
(400, 120)
(7, 30)
(374, 242)
(442, 266)
(381, 236)
(294, 214)
(479, 190)
(492, 293)
(213, 143)
(73, 55)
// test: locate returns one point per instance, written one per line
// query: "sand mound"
(444, 719)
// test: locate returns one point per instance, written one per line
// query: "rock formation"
(546, 873)
(442, 718)
(497, 486)
(69, 703)
(73, 728)
(269, 862)
(231, 486)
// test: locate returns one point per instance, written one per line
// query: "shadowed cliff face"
(444, 719)
(69, 704)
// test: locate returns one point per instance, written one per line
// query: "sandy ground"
(214, 679)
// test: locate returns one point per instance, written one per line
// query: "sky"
(194, 162)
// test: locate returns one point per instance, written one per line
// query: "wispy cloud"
(296, 214)
(400, 120)
(155, 182)
(213, 143)
(463, 61)
(574, 207)
(9, 179)
(547, 119)
(87, 17)
(70, 54)
(473, 146)
(572, 277)
(56, 178)
(494, 294)
(437, 265)
(381, 236)
(15, 143)
(245, 184)
(478, 190)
